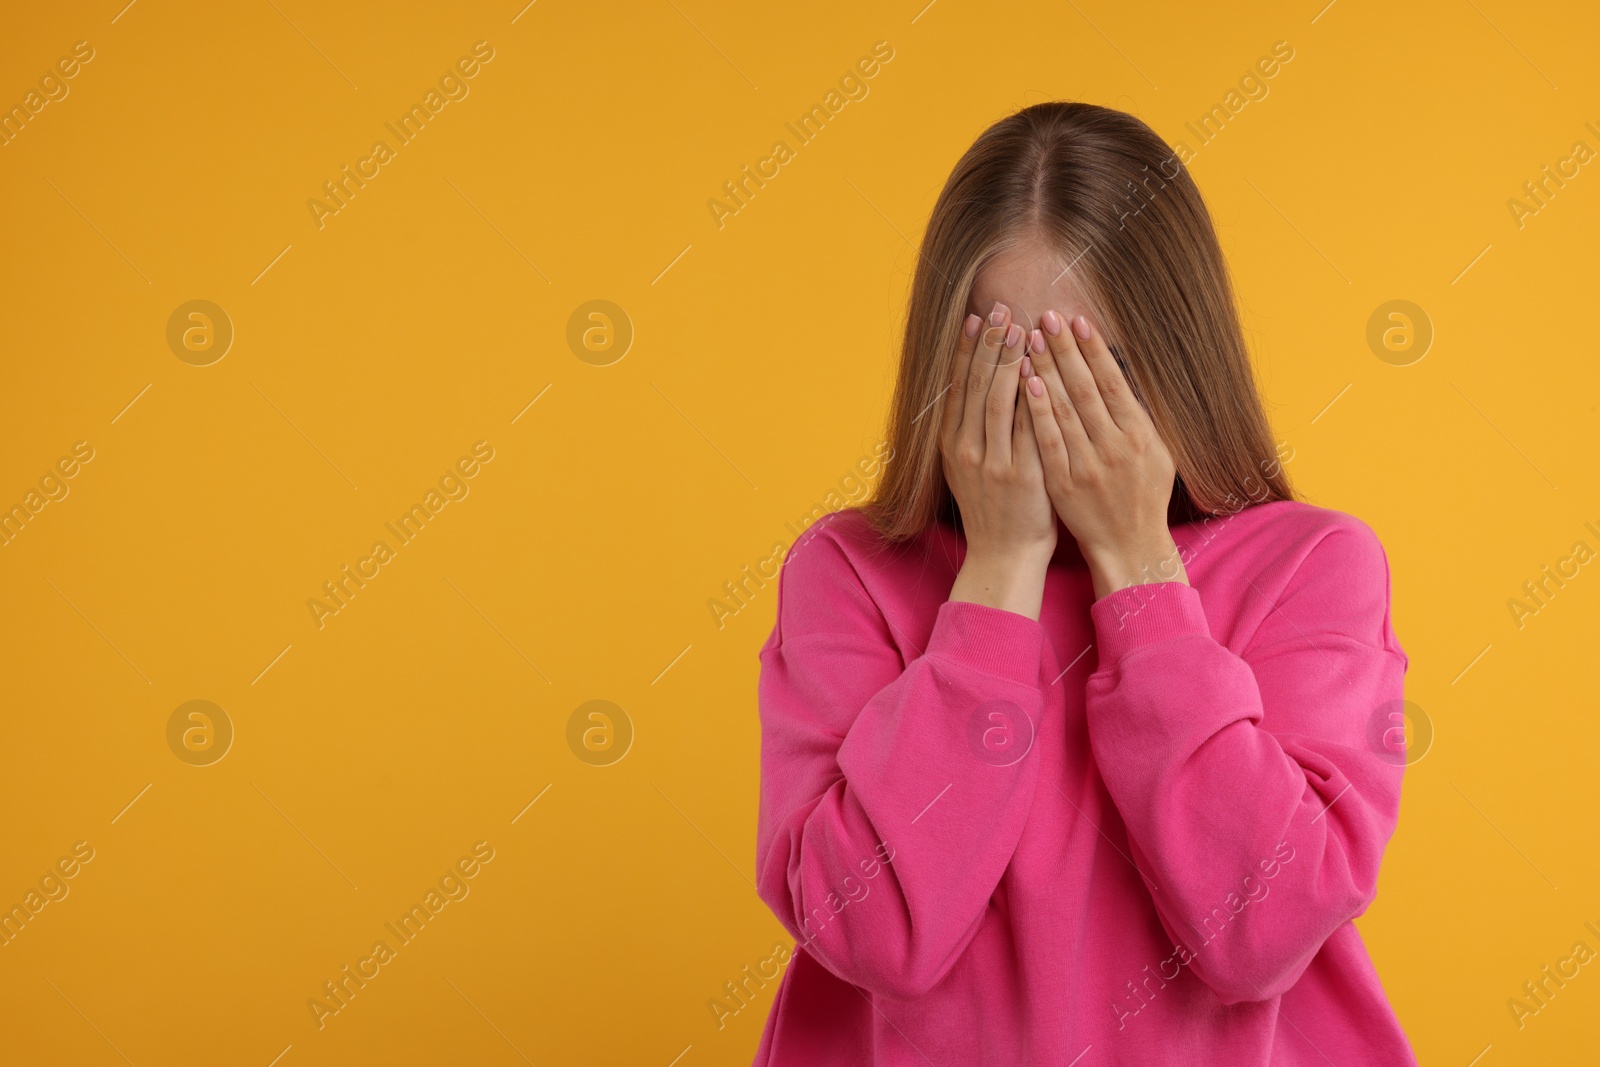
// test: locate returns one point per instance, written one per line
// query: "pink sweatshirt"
(1135, 831)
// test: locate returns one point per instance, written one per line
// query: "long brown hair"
(1118, 206)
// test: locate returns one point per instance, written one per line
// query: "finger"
(955, 393)
(1024, 446)
(1064, 413)
(1002, 401)
(1052, 447)
(1115, 391)
(980, 376)
(1076, 379)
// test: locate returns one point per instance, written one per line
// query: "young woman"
(1067, 735)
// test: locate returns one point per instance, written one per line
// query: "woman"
(1066, 749)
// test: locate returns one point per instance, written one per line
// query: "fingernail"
(1052, 322)
(1036, 342)
(970, 327)
(1036, 386)
(1027, 367)
(1013, 336)
(1080, 326)
(998, 315)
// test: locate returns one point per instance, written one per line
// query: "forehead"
(1029, 278)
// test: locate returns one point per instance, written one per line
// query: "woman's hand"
(1106, 469)
(992, 465)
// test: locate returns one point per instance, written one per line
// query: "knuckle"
(1082, 392)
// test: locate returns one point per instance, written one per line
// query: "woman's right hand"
(991, 463)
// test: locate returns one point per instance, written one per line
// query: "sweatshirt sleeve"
(1254, 797)
(893, 793)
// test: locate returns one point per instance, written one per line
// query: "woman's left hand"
(1107, 471)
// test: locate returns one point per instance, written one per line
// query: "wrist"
(1011, 580)
(1151, 559)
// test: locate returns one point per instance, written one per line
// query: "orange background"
(372, 753)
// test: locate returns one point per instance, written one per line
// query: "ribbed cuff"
(1142, 615)
(988, 639)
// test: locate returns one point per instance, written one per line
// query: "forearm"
(1011, 581)
(905, 777)
(1209, 795)
(1149, 557)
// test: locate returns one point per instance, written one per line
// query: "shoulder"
(1317, 567)
(1285, 536)
(829, 574)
